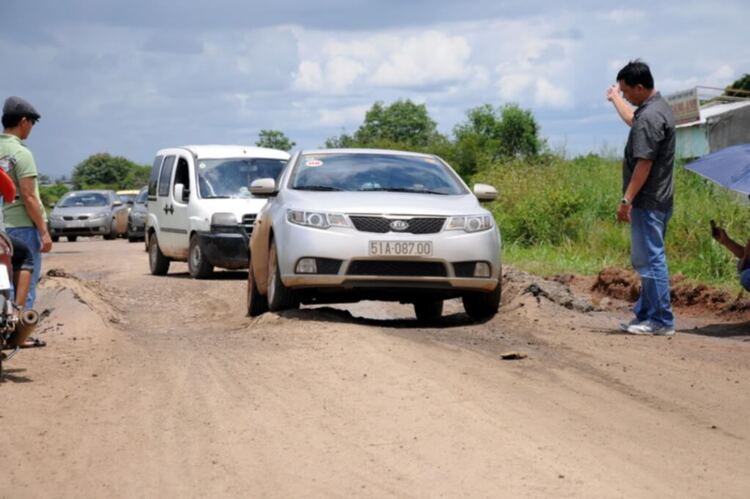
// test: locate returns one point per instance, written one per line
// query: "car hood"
(238, 206)
(81, 210)
(383, 203)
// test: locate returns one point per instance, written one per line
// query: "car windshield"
(127, 198)
(375, 172)
(142, 197)
(84, 199)
(231, 178)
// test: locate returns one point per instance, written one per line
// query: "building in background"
(707, 122)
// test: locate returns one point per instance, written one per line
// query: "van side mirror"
(180, 193)
(485, 192)
(263, 187)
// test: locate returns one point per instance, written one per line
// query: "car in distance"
(200, 207)
(88, 213)
(343, 225)
(137, 217)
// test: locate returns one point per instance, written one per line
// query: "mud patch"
(625, 285)
(517, 283)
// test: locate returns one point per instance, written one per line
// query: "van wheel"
(428, 311)
(257, 304)
(279, 296)
(157, 262)
(483, 305)
(198, 264)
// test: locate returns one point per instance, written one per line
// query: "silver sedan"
(88, 213)
(344, 225)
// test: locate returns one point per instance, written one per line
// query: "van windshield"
(231, 177)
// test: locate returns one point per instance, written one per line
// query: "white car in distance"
(343, 225)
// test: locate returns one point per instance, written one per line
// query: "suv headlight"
(317, 219)
(470, 223)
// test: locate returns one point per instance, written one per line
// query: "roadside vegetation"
(557, 215)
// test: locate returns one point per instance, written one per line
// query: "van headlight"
(470, 223)
(317, 219)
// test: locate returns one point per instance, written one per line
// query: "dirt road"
(161, 387)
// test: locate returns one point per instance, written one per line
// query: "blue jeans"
(30, 235)
(745, 279)
(647, 231)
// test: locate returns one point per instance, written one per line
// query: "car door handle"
(168, 209)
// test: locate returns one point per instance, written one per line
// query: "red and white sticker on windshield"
(313, 163)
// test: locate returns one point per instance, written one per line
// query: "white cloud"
(620, 16)
(343, 117)
(548, 95)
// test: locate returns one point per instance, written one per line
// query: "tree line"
(487, 135)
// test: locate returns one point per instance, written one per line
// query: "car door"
(161, 206)
(178, 216)
(120, 213)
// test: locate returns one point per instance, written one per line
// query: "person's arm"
(624, 109)
(723, 238)
(34, 209)
(640, 174)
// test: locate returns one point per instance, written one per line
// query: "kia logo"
(399, 225)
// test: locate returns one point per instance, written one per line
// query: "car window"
(142, 196)
(154, 178)
(375, 172)
(84, 199)
(231, 178)
(166, 174)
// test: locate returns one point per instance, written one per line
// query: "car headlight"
(317, 219)
(56, 218)
(98, 216)
(470, 223)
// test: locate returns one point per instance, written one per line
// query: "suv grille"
(396, 268)
(424, 225)
(248, 221)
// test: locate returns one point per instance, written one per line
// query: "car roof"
(388, 152)
(227, 151)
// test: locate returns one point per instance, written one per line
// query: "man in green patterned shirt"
(25, 218)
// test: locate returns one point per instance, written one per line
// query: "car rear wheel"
(55, 238)
(428, 310)
(157, 262)
(257, 304)
(279, 296)
(483, 305)
(198, 264)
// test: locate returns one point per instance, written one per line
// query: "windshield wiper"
(316, 188)
(403, 189)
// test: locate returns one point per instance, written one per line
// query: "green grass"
(558, 216)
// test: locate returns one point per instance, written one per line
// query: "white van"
(200, 209)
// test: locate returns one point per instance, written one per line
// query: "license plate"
(400, 248)
(74, 223)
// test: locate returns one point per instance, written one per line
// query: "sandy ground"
(161, 387)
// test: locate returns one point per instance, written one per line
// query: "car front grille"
(416, 225)
(248, 222)
(396, 268)
(69, 218)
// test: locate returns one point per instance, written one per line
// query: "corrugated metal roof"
(715, 110)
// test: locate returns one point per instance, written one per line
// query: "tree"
(274, 139)
(740, 84)
(490, 134)
(109, 172)
(402, 122)
(51, 193)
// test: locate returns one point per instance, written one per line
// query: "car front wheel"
(480, 305)
(157, 262)
(428, 311)
(257, 304)
(198, 264)
(279, 296)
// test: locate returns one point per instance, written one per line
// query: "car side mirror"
(263, 187)
(179, 192)
(485, 192)
(117, 203)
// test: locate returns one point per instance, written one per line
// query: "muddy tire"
(198, 264)
(157, 262)
(428, 311)
(279, 296)
(480, 305)
(257, 304)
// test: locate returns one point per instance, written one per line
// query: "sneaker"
(650, 327)
(625, 325)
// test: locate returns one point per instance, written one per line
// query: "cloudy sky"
(131, 77)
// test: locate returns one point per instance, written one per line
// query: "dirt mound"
(624, 284)
(517, 283)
